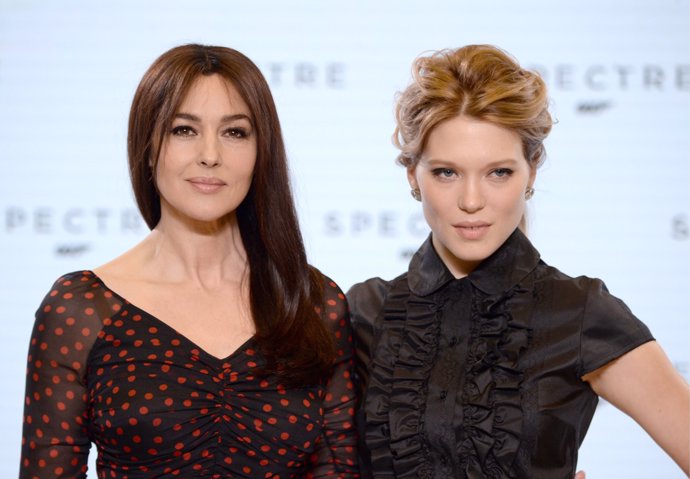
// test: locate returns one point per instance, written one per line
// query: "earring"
(529, 193)
(416, 194)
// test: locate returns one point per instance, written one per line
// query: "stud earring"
(529, 193)
(416, 194)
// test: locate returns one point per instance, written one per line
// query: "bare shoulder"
(130, 274)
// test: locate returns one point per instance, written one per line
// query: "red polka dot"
(161, 405)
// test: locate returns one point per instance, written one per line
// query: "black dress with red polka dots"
(156, 405)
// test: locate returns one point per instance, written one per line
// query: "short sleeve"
(366, 302)
(336, 455)
(609, 329)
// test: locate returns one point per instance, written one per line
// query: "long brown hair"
(285, 292)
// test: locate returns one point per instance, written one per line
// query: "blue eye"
(443, 172)
(502, 172)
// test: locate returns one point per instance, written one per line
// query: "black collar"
(509, 264)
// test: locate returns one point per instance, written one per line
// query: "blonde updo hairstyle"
(478, 81)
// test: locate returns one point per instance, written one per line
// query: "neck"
(457, 267)
(208, 254)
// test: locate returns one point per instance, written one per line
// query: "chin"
(208, 219)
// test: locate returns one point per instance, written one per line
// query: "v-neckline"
(240, 349)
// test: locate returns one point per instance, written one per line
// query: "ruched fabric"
(156, 405)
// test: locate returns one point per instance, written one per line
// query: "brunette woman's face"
(472, 176)
(207, 159)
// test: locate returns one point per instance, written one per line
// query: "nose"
(471, 198)
(210, 156)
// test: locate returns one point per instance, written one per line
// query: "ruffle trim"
(492, 423)
(396, 397)
(395, 401)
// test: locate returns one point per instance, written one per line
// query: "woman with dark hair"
(211, 348)
(481, 361)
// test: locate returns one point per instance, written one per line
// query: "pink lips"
(472, 230)
(206, 184)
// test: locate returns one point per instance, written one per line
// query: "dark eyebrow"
(226, 118)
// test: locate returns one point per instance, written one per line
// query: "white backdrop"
(612, 200)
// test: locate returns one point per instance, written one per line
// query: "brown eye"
(236, 132)
(183, 130)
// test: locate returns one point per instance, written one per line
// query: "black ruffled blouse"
(480, 377)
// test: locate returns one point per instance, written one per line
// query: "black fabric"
(156, 405)
(480, 377)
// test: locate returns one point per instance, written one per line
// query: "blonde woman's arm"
(644, 384)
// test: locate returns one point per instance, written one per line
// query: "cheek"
(514, 204)
(251, 165)
(438, 207)
(162, 171)
(242, 162)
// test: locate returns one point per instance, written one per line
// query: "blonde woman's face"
(472, 176)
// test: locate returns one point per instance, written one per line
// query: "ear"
(532, 177)
(411, 177)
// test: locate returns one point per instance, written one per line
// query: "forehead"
(461, 138)
(213, 92)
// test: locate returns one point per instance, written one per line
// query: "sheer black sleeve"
(56, 439)
(336, 455)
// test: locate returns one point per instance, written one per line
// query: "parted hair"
(284, 291)
(479, 81)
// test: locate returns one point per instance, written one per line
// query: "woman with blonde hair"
(482, 361)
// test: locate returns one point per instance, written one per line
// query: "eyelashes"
(235, 132)
(502, 172)
(183, 130)
(447, 173)
(443, 172)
